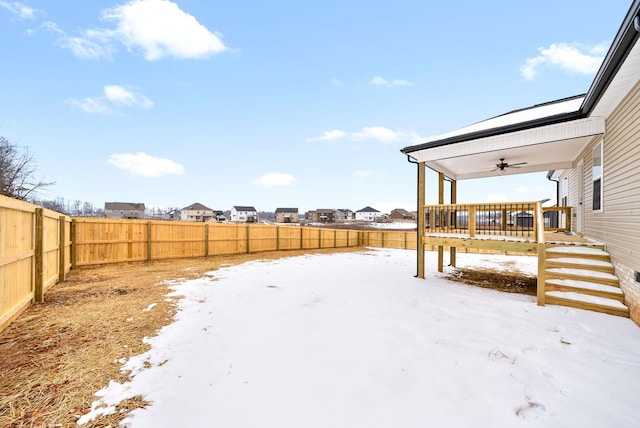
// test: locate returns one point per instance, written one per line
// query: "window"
(596, 176)
(564, 192)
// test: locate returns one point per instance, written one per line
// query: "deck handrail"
(516, 219)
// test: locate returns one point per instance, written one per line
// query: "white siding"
(618, 224)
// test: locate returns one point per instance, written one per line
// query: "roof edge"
(522, 126)
(622, 44)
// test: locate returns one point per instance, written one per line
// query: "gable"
(123, 206)
(197, 207)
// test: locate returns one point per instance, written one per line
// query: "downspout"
(414, 161)
(549, 175)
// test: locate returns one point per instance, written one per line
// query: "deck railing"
(517, 219)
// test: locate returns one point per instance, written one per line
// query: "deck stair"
(583, 277)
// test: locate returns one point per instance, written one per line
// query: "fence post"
(302, 238)
(206, 240)
(74, 240)
(38, 292)
(149, 240)
(248, 238)
(335, 239)
(62, 249)
(277, 238)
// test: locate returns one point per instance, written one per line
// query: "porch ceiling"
(545, 148)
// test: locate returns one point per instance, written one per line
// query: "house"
(590, 145)
(367, 214)
(219, 217)
(311, 216)
(343, 214)
(243, 214)
(401, 214)
(197, 212)
(287, 215)
(130, 210)
(326, 215)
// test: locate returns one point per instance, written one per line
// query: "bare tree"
(17, 170)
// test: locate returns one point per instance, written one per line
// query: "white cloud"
(275, 179)
(329, 135)
(574, 58)
(336, 82)
(379, 81)
(114, 96)
(90, 105)
(156, 28)
(159, 28)
(121, 96)
(82, 47)
(379, 133)
(19, 9)
(144, 165)
(85, 48)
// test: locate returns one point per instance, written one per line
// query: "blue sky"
(280, 103)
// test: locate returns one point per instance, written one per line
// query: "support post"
(421, 219)
(38, 292)
(442, 220)
(540, 286)
(454, 221)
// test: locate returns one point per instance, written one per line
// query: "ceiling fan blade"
(517, 164)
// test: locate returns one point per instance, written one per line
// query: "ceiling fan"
(502, 165)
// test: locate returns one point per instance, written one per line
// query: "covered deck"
(516, 227)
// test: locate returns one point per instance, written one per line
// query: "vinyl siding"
(618, 225)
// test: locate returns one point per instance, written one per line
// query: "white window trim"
(601, 176)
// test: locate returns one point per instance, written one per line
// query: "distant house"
(401, 214)
(287, 215)
(219, 217)
(311, 215)
(196, 212)
(367, 214)
(344, 214)
(326, 215)
(244, 214)
(124, 210)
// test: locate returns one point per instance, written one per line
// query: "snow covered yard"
(353, 339)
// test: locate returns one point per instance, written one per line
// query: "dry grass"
(510, 282)
(59, 353)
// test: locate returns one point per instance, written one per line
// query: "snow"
(404, 225)
(587, 298)
(584, 272)
(577, 261)
(585, 285)
(511, 118)
(577, 250)
(353, 339)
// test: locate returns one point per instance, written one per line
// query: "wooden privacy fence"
(35, 253)
(38, 246)
(101, 241)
